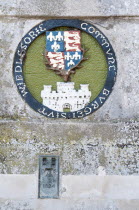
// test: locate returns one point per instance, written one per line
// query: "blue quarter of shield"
(55, 41)
(72, 59)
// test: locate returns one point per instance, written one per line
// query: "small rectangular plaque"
(48, 176)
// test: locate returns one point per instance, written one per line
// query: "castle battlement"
(66, 96)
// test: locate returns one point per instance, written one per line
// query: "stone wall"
(99, 154)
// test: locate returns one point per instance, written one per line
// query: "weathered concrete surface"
(73, 187)
(77, 192)
(82, 204)
(123, 102)
(18, 186)
(83, 147)
(70, 8)
(100, 187)
(104, 143)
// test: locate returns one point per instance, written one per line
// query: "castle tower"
(66, 96)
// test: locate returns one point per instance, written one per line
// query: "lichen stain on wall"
(82, 148)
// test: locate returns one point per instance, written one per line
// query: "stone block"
(123, 103)
(70, 8)
(84, 148)
(77, 192)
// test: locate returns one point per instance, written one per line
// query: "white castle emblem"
(66, 96)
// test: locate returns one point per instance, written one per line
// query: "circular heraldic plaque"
(65, 68)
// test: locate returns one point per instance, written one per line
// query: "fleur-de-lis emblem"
(64, 52)
(55, 47)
